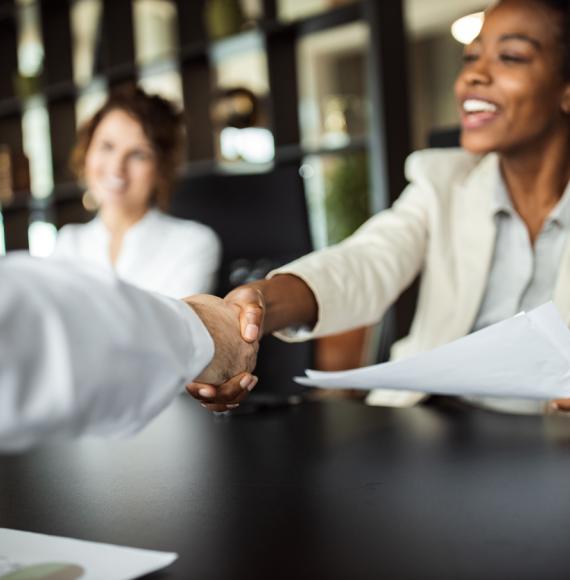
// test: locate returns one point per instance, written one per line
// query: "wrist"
(288, 302)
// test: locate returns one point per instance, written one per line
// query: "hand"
(233, 355)
(561, 405)
(249, 304)
(225, 397)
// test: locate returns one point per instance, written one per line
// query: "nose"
(118, 164)
(477, 73)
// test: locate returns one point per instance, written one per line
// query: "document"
(527, 357)
(27, 555)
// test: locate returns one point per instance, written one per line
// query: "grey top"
(521, 277)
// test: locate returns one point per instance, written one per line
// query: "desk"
(323, 491)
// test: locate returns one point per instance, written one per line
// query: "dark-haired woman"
(486, 225)
(127, 155)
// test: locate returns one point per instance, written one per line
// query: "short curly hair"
(161, 123)
(563, 9)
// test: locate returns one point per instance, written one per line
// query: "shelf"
(196, 50)
(11, 107)
(291, 153)
(59, 92)
(319, 22)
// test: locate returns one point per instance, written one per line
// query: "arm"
(83, 353)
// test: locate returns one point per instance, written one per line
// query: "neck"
(538, 176)
(118, 221)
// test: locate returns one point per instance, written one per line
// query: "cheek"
(145, 177)
(92, 166)
(532, 103)
(458, 86)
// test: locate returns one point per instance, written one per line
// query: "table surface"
(327, 491)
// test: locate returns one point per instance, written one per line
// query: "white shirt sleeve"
(83, 353)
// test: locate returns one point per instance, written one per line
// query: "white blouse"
(160, 253)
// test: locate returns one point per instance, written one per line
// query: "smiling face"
(120, 164)
(511, 92)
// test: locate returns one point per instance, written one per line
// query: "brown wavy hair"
(161, 123)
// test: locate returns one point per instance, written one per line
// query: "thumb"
(251, 307)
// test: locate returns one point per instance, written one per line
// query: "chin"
(478, 144)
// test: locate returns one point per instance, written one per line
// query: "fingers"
(229, 393)
(251, 307)
(561, 405)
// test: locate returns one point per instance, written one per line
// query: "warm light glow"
(252, 144)
(41, 238)
(2, 237)
(466, 29)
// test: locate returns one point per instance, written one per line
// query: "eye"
(469, 57)
(140, 155)
(106, 146)
(512, 58)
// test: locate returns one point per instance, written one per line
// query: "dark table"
(324, 491)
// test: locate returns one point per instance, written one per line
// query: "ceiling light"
(466, 29)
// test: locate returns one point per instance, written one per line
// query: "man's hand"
(233, 355)
(248, 304)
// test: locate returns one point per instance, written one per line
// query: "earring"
(89, 202)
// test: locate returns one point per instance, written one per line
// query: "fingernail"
(251, 331)
(233, 406)
(245, 380)
(203, 405)
(248, 382)
(204, 393)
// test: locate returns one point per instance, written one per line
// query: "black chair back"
(262, 221)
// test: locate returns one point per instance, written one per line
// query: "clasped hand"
(235, 324)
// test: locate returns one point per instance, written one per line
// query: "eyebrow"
(522, 37)
(514, 36)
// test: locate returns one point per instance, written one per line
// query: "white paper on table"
(527, 356)
(99, 561)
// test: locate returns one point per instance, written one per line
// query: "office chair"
(262, 221)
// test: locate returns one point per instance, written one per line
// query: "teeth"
(478, 106)
(114, 182)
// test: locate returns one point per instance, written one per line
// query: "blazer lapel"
(474, 240)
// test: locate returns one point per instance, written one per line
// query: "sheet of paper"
(527, 356)
(73, 557)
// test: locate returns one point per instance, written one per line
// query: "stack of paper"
(527, 356)
(29, 555)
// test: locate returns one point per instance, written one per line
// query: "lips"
(477, 112)
(114, 184)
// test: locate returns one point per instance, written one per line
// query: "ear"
(565, 101)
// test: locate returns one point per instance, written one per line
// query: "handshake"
(235, 324)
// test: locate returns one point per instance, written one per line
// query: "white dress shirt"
(522, 276)
(81, 352)
(160, 253)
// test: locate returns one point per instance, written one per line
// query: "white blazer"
(84, 353)
(442, 226)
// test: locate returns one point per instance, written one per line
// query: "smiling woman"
(487, 225)
(127, 155)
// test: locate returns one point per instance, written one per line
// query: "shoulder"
(441, 169)
(188, 231)
(73, 232)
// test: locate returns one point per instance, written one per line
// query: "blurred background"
(298, 113)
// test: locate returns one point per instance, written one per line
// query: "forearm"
(288, 301)
(82, 353)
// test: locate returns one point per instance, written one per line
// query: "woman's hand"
(561, 405)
